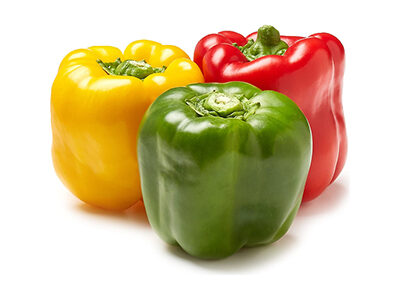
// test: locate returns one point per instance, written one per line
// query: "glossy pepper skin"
(95, 118)
(310, 73)
(216, 182)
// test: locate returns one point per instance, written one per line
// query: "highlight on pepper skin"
(98, 99)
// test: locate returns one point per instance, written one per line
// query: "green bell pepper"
(222, 166)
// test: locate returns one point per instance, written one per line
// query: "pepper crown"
(139, 69)
(268, 42)
(222, 105)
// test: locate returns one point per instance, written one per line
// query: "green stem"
(268, 42)
(222, 105)
(138, 69)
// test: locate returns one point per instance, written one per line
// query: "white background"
(343, 245)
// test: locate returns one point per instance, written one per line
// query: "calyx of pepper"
(223, 105)
(268, 42)
(139, 69)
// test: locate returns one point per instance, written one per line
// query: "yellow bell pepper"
(95, 116)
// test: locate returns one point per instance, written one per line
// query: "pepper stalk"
(268, 42)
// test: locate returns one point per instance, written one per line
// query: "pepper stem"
(267, 35)
(223, 105)
(268, 42)
(138, 69)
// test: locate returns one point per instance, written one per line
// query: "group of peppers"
(222, 164)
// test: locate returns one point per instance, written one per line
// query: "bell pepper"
(98, 99)
(222, 166)
(308, 70)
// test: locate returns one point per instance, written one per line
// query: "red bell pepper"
(308, 70)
